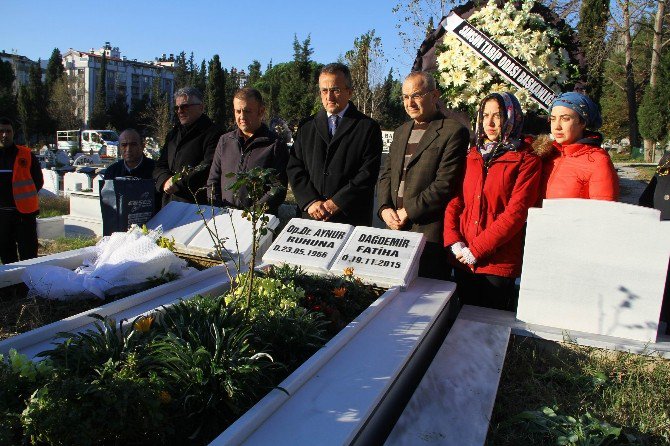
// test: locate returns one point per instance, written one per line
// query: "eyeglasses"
(184, 107)
(335, 90)
(414, 96)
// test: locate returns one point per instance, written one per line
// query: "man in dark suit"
(133, 162)
(423, 171)
(191, 143)
(334, 164)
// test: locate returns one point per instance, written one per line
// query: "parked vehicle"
(102, 142)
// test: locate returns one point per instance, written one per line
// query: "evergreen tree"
(138, 114)
(181, 76)
(591, 30)
(158, 116)
(654, 111)
(232, 81)
(24, 109)
(99, 118)
(215, 97)
(201, 82)
(54, 71)
(391, 111)
(7, 97)
(117, 113)
(38, 119)
(254, 73)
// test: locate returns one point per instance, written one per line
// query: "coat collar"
(346, 123)
(431, 133)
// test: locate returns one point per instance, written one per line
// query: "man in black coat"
(334, 163)
(191, 143)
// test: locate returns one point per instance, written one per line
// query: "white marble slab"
(596, 267)
(179, 220)
(10, 274)
(96, 184)
(76, 182)
(51, 181)
(340, 395)
(382, 256)
(235, 233)
(86, 205)
(453, 403)
(310, 244)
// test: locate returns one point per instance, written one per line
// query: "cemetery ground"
(549, 393)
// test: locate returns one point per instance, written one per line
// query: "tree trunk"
(653, 71)
(633, 131)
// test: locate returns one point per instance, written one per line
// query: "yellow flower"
(349, 271)
(143, 324)
(339, 292)
(164, 397)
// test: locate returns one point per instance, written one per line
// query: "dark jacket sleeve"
(298, 175)
(214, 179)
(273, 200)
(647, 197)
(434, 198)
(36, 172)
(162, 171)
(384, 195)
(366, 178)
(201, 171)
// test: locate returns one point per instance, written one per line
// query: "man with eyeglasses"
(20, 180)
(334, 164)
(251, 145)
(423, 171)
(191, 143)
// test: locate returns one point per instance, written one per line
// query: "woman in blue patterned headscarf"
(483, 225)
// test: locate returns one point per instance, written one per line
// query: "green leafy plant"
(567, 430)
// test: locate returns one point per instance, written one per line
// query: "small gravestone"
(596, 267)
(51, 181)
(382, 256)
(76, 182)
(310, 244)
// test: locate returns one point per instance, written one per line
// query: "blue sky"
(238, 31)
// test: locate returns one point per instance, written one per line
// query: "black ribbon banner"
(508, 67)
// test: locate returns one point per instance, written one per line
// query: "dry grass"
(51, 206)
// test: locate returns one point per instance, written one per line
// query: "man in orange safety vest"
(20, 180)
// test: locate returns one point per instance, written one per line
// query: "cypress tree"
(215, 97)
(99, 114)
(591, 29)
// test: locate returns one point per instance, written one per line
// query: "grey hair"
(190, 92)
(336, 67)
(428, 79)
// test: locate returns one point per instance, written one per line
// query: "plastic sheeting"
(119, 261)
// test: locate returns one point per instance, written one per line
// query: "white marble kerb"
(310, 244)
(382, 256)
(179, 220)
(596, 267)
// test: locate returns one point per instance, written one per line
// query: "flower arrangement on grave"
(520, 29)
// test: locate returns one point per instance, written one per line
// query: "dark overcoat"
(343, 168)
(191, 146)
(434, 174)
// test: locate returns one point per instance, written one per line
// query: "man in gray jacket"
(251, 145)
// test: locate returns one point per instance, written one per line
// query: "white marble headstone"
(382, 256)
(310, 244)
(76, 182)
(96, 184)
(596, 267)
(51, 181)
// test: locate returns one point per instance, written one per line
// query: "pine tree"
(254, 73)
(24, 109)
(180, 71)
(117, 113)
(54, 71)
(38, 119)
(591, 31)
(157, 117)
(215, 98)
(99, 117)
(62, 106)
(201, 82)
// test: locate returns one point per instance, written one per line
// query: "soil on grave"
(21, 313)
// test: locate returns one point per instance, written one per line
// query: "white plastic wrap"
(119, 261)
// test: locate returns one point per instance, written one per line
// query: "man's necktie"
(334, 120)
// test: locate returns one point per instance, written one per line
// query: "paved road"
(631, 187)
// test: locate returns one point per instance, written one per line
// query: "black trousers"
(18, 236)
(486, 290)
(434, 263)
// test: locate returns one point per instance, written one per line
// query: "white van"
(103, 142)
